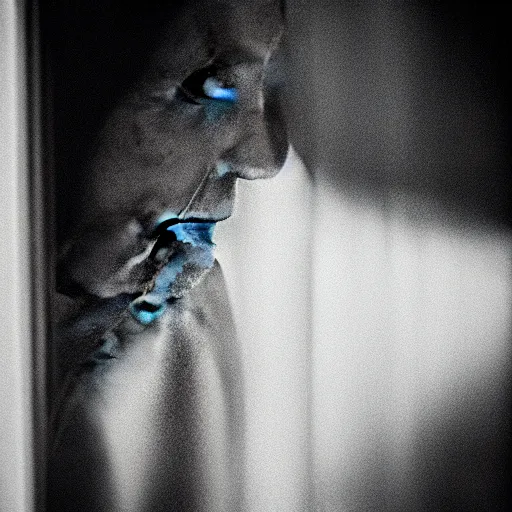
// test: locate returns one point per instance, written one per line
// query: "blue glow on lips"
(198, 235)
(167, 215)
(194, 233)
(214, 89)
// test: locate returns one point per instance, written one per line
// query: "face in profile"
(185, 115)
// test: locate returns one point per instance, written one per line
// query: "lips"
(118, 254)
(189, 255)
(108, 261)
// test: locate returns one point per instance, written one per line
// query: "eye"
(205, 84)
(216, 90)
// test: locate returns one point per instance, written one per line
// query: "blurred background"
(371, 280)
(375, 311)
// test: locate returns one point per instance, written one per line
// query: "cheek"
(144, 163)
(154, 138)
(153, 158)
(184, 150)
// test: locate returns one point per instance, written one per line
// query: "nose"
(263, 147)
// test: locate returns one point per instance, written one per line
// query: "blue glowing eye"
(215, 90)
(146, 312)
(205, 84)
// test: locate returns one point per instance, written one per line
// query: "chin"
(191, 276)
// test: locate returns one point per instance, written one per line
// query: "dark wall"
(412, 95)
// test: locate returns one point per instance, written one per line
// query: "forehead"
(201, 30)
(252, 25)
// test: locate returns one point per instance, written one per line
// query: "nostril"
(146, 312)
(261, 154)
(147, 306)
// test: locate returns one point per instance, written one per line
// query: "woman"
(158, 112)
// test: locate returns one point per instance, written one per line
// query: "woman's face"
(173, 146)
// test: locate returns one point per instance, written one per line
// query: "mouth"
(184, 253)
(168, 220)
(114, 257)
(175, 232)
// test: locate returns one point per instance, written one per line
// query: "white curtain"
(16, 470)
(376, 345)
(265, 253)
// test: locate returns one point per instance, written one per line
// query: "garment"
(154, 420)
